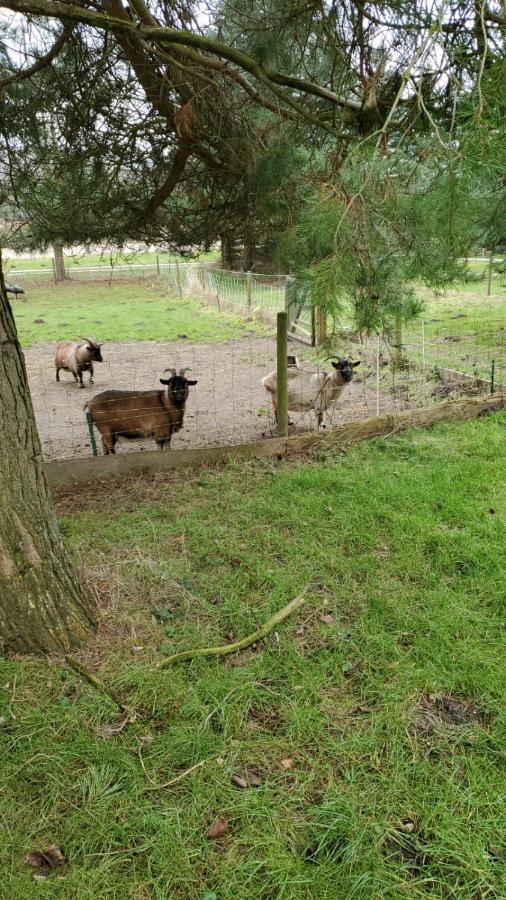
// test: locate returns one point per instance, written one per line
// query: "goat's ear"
(164, 381)
(354, 365)
(191, 382)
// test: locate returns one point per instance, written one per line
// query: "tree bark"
(43, 606)
(60, 273)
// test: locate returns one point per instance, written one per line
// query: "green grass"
(402, 542)
(105, 259)
(121, 312)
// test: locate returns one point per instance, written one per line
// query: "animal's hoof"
(81, 385)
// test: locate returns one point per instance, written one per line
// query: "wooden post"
(178, 279)
(492, 377)
(158, 265)
(249, 288)
(282, 382)
(321, 326)
(489, 275)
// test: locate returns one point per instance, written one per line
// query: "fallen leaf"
(360, 708)
(137, 649)
(408, 825)
(250, 778)
(110, 729)
(219, 827)
(287, 762)
(327, 619)
(45, 859)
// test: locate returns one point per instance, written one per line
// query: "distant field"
(105, 259)
(124, 311)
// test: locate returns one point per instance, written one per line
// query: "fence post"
(377, 374)
(89, 420)
(322, 326)
(492, 377)
(249, 288)
(282, 381)
(158, 265)
(178, 279)
(489, 275)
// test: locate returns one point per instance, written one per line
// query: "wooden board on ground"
(76, 471)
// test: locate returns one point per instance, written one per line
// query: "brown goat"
(77, 358)
(138, 414)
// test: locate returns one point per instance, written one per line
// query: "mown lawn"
(132, 310)
(78, 260)
(374, 719)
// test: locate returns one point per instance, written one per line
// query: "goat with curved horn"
(172, 371)
(182, 371)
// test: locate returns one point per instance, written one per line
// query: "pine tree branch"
(40, 63)
(271, 78)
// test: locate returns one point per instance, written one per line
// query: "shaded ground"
(228, 406)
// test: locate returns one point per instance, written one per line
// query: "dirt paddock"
(228, 405)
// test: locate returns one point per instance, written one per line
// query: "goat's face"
(177, 387)
(345, 368)
(94, 348)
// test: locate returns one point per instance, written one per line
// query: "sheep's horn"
(182, 371)
(169, 370)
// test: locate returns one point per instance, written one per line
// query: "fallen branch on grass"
(257, 635)
(97, 683)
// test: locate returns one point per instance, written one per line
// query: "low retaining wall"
(78, 471)
(455, 377)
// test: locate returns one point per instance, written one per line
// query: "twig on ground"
(158, 787)
(257, 635)
(97, 683)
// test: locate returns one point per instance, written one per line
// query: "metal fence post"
(249, 289)
(282, 381)
(89, 420)
(178, 279)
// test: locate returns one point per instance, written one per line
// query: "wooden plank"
(484, 384)
(82, 470)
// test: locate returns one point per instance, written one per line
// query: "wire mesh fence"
(446, 355)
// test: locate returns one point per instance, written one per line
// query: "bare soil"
(228, 405)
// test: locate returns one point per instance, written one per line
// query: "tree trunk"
(60, 273)
(43, 606)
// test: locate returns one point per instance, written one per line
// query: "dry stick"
(97, 683)
(257, 635)
(159, 787)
